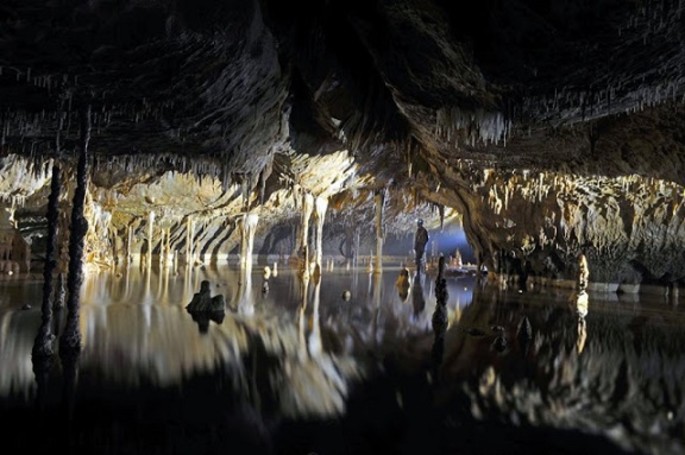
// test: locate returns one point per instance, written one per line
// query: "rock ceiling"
(416, 91)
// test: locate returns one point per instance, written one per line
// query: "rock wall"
(630, 228)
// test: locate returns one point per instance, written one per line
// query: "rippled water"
(298, 369)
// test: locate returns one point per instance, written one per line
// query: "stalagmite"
(379, 200)
(321, 205)
(43, 343)
(71, 338)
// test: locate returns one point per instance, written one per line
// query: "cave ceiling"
(538, 121)
(588, 86)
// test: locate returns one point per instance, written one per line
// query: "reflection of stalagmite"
(315, 335)
(302, 340)
(321, 205)
(582, 335)
(245, 300)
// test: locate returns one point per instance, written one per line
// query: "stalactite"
(71, 338)
(162, 243)
(249, 227)
(379, 200)
(188, 240)
(303, 241)
(167, 246)
(321, 205)
(43, 343)
(129, 239)
(150, 232)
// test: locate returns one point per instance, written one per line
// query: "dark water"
(300, 370)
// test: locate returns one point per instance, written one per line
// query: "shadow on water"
(414, 366)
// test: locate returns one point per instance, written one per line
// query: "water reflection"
(533, 360)
(135, 330)
(614, 371)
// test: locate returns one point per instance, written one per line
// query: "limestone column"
(43, 343)
(162, 240)
(70, 342)
(321, 205)
(379, 200)
(249, 227)
(129, 239)
(191, 242)
(188, 239)
(302, 244)
(167, 246)
(150, 231)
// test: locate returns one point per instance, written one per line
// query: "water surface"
(298, 369)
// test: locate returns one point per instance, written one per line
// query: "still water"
(296, 368)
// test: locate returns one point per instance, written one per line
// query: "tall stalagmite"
(71, 338)
(43, 344)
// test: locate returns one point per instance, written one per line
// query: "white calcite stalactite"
(191, 243)
(167, 247)
(248, 227)
(189, 240)
(303, 241)
(321, 205)
(162, 240)
(150, 233)
(379, 201)
(129, 240)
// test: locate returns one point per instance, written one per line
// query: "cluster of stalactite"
(539, 222)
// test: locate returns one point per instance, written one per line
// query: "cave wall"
(630, 228)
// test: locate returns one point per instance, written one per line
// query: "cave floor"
(299, 369)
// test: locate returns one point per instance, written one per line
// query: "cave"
(342, 226)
